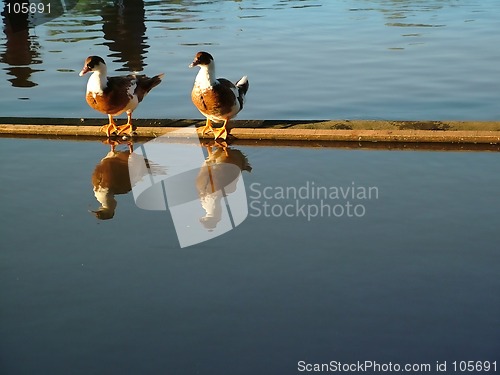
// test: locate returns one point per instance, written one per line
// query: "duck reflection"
(21, 49)
(111, 177)
(124, 30)
(215, 181)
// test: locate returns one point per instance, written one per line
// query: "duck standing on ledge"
(115, 95)
(218, 99)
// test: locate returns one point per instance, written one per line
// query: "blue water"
(414, 280)
(310, 59)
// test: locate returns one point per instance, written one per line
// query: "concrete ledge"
(314, 130)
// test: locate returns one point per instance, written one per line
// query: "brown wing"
(219, 100)
(113, 174)
(115, 97)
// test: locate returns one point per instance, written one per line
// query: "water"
(413, 280)
(310, 59)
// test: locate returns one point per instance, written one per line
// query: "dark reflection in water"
(21, 49)
(123, 27)
(111, 177)
(124, 31)
(204, 195)
(214, 182)
(216, 179)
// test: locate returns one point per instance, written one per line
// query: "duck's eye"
(89, 67)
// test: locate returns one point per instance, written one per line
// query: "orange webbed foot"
(207, 128)
(109, 129)
(125, 129)
(222, 133)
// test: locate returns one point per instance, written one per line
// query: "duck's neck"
(105, 197)
(206, 76)
(98, 80)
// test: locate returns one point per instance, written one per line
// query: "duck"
(111, 177)
(115, 95)
(218, 177)
(218, 99)
(116, 174)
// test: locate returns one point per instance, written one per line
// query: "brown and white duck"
(115, 95)
(111, 177)
(218, 99)
(218, 178)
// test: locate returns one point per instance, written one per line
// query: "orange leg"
(112, 143)
(221, 143)
(109, 128)
(222, 132)
(207, 127)
(127, 128)
(115, 142)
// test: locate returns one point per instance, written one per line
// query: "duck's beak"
(193, 64)
(84, 70)
(104, 213)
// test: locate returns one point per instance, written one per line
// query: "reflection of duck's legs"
(207, 127)
(222, 144)
(109, 128)
(113, 143)
(127, 128)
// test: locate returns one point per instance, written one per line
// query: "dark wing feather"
(115, 95)
(146, 84)
(216, 101)
(117, 86)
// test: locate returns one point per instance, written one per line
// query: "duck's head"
(93, 64)
(104, 213)
(202, 59)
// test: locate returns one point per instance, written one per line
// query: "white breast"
(204, 79)
(96, 84)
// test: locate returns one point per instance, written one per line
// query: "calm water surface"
(309, 59)
(414, 280)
